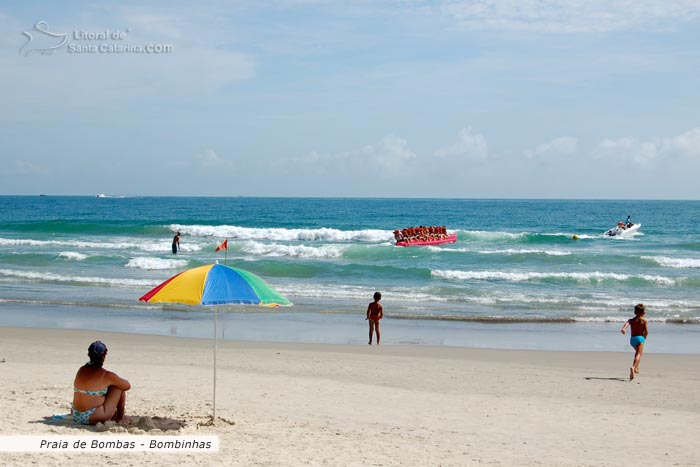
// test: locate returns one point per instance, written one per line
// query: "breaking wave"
(596, 276)
(286, 235)
(526, 251)
(295, 251)
(73, 255)
(51, 277)
(143, 262)
(520, 237)
(151, 246)
(679, 263)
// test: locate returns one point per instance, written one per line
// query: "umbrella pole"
(213, 418)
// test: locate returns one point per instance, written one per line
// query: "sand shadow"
(143, 422)
(606, 379)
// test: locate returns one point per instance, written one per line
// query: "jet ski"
(623, 230)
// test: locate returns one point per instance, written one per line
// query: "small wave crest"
(520, 237)
(485, 319)
(622, 319)
(152, 246)
(285, 235)
(144, 262)
(51, 277)
(73, 255)
(525, 251)
(134, 306)
(295, 251)
(486, 236)
(595, 276)
(538, 319)
(679, 263)
(505, 252)
(353, 293)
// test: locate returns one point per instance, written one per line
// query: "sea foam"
(505, 252)
(286, 235)
(51, 277)
(595, 276)
(526, 251)
(680, 263)
(489, 236)
(123, 244)
(144, 262)
(297, 251)
(73, 255)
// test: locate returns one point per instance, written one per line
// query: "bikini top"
(100, 392)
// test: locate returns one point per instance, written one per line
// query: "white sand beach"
(300, 404)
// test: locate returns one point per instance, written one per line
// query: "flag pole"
(224, 246)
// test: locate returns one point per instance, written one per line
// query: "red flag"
(223, 246)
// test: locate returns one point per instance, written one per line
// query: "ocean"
(83, 262)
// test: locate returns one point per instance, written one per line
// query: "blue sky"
(474, 99)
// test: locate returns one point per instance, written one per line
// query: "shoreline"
(346, 329)
(322, 404)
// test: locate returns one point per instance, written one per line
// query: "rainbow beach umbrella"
(216, 284)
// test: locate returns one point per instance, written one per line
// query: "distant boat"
(43, 195)
(623, 230)
(102, 195)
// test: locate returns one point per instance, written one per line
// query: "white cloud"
(64, 82)
(556, 148)
(30, 168)
(648, 153)
(316, 163)
(84, 83)
(391, 154)
(210, 159)
(627, 149)
(155, 25)
(571, 16)
(469, 146)
(686, 144)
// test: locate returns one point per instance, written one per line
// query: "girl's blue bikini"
(84, 417)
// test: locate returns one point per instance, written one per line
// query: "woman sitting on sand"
(98, 395)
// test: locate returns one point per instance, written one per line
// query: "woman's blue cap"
(97, 348)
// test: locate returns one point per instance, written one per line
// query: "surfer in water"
(176, 243)
(375, 312)
(638, 325)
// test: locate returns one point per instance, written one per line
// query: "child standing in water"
(638, 325)
(375, 312)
